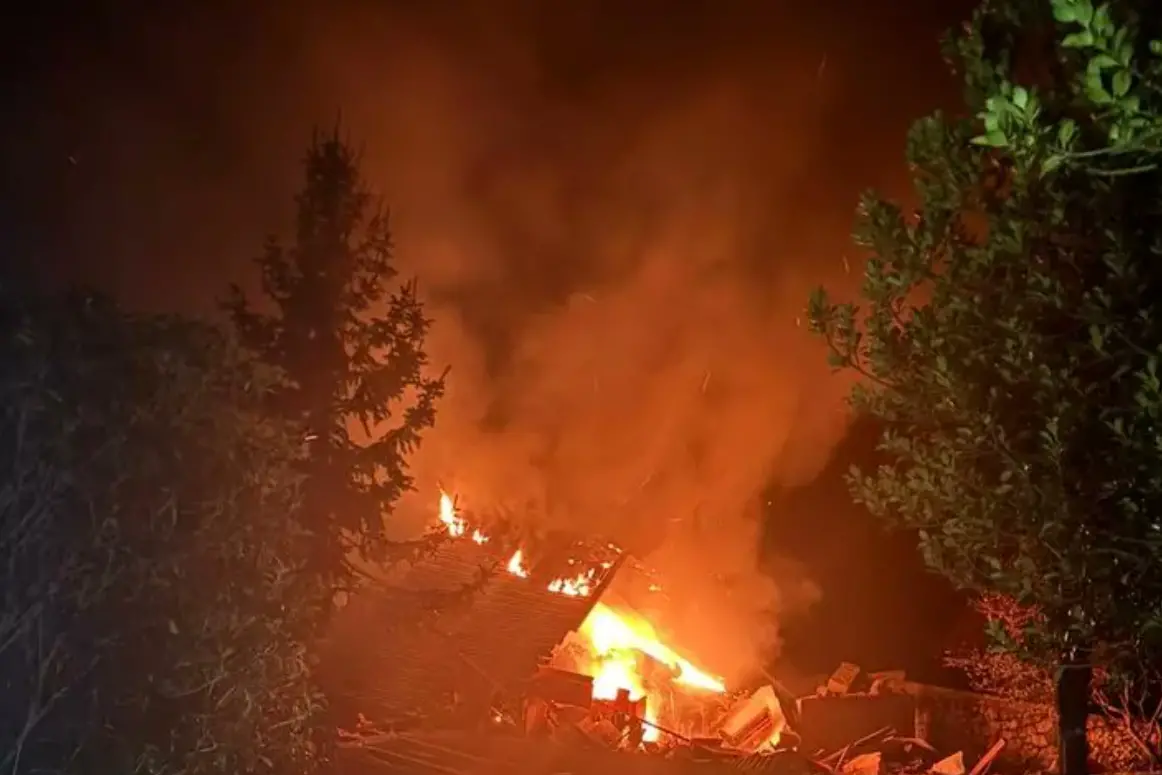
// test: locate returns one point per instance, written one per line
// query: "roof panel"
(442, 664)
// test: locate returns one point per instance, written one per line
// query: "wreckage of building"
(442, 682)
(444, 648)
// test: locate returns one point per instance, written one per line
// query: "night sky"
(603, 200)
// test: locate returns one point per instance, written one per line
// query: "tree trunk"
(1073, 686)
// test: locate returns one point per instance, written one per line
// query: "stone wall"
(966, 721)
(955, 720)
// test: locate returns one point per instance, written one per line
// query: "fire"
(615, 639)
(580, 585)
(610, 633)
(516, 565)
(455, 525)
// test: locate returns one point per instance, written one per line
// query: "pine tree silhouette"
(348, 335)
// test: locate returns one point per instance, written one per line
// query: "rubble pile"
(767, 730)
(557, 660)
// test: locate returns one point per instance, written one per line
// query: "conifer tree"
(1008, 334)
(348, 335)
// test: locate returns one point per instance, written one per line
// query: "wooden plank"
(988, 758)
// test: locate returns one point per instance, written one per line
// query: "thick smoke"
(624, 334)
(616, 224)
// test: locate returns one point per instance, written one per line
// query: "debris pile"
(555, 653)
(767, 730)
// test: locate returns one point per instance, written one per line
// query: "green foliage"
(1101, 112)
(153, 608)
(1009, 341)
(350, 339)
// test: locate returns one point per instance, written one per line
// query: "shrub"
(154, 608)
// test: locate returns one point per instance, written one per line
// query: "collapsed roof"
(419, 647)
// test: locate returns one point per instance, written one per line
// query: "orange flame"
(516, 565)
(580, 585)
(455, 525)
(614, 640)
(610, 632)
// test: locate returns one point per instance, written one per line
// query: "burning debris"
(629, 664)
(730, 732)
(580, 581)
(613, 683)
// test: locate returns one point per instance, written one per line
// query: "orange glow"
(615, 639)
(516, 565)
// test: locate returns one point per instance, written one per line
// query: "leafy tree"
(1109, 122)
(350, 340)
(1008, 338)
(151, 613)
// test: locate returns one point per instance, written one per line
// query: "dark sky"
(616, 210)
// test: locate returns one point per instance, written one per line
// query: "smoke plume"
(615, 223)
(623, 332)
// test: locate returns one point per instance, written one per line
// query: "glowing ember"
(516, 565)
(578, 586)
(479, 537)
(455, 525)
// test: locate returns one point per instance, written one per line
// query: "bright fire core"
(614, 640)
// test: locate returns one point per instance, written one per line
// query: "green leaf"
(1102, 62)
(1084, 11)
(1125, 53)
(994, 139)
(1064, 11)
(1121, 83)
(1095, 89)
(1102, 23)
(1083, 39)
(1096, 338)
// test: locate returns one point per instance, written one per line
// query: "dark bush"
(154, 611)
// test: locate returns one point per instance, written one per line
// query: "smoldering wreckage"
(565, 674)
